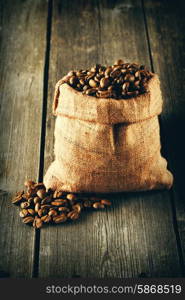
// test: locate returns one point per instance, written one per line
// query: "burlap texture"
(107, 145)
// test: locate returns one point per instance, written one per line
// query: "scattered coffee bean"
(60, 219)
(40, 206)
(98, 205)
(37, 223)
(28, 220)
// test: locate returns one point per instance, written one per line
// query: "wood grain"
(166, 27)
(136, 235)
(22, 52)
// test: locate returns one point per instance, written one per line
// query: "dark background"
(143, 234)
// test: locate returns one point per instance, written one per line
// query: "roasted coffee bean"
(28, 220)
(85, 87)
(125, 86)
(31, 211)
(47, 206)
(71, 197)
(73, 215)
(77, 207)
(104, 82)
(73, 80)
(58, 194)
(91, 92)
(46, 219)
(25, 204)
(96, 81)
(36, 200)
(23, 213)
(37, 223)
(98, 205)
(41, 193)
(63, 209)
(52, 212)
(37, 207)
(17, 199)
(46, 200)
(105, 202)
(108, 71)
(92, 83)
(104, 94)
(115, 73)
(56, 206)
(60, 219)
(42, 211)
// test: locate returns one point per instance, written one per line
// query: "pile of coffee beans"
(41, 206)
(119, 81)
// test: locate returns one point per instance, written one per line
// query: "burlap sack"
(107, 145)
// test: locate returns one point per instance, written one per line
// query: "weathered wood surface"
(137, 234)
(166, 27)
(22, 52)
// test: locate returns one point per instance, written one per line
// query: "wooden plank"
(166, 26)
(136, 235)
(22, 52)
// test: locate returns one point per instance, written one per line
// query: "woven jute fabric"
(107, 145)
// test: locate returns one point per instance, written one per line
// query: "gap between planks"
(35, 270)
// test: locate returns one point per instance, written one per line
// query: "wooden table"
(143, 234)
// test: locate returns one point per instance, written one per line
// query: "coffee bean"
(46, 200)
(23, 213)
(63, 209)
(17, 199)
(104, 94)
(115, 73)
(28, 220)
(77, 207)
(60, 219)
(52, 212)
(47, 206)
(36, 200)
(41, 193)
(57, 203)
(105, 202)
(97, 80)
(73, 215)
(37, 207)
(56, 206)
(98, 205)
(37, 223)
(108, 71)
(71, 197)
(92, 83)
(46, 219)
(31, 211)
(91, 92)
(25, 204)
(104, 82)
(125, 86)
